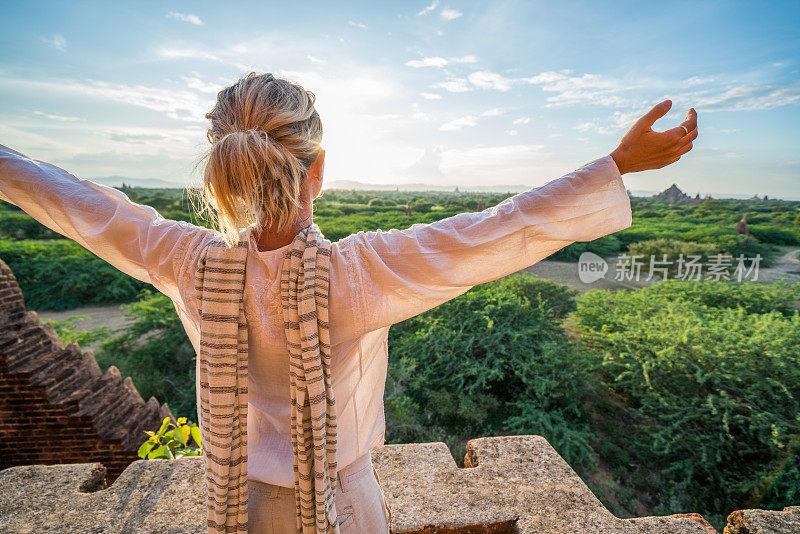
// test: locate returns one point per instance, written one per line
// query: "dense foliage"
(711, 374)
(707, 226)
(62, 275)
(493, 361)
(156, 353)
(685, 392)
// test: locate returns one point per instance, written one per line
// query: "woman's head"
(265, 134)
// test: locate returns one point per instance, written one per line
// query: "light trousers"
(360, 504)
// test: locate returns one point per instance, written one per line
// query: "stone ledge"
(513, 484)
(764, 521)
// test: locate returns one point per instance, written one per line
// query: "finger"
(691, 120)
(691, 136)
(658, 111)
(684, 149)
(678, 133)
(679, 137)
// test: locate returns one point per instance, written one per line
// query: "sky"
(441, 92)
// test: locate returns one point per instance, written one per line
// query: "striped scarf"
(305, 282)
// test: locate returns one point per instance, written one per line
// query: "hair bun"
(265, 133)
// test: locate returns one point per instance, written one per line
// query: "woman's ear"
(317, 167)
(315, 172)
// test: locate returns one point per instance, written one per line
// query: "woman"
(263, 172)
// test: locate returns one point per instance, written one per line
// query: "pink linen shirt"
(378, 278)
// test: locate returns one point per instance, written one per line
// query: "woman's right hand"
(642, 149)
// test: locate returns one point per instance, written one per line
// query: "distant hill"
(116, 181)
(361, 186)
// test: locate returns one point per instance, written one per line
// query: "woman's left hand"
(642, 148)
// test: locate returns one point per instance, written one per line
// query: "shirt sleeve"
(132, 237)
(399, 274)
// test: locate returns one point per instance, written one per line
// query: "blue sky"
(442, 92)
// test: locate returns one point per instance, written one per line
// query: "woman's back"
(379, 278)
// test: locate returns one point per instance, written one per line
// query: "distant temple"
(674, 194)
(741, 227)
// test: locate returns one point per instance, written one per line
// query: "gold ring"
(685, 128)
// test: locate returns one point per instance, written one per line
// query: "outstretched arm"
(399, 274)
(132, 237)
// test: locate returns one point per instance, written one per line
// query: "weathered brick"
(56, 406)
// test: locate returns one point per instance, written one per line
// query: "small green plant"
(173, 443)
(67, 333)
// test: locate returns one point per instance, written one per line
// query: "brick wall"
(56, 406)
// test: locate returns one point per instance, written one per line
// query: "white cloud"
(593, 126)
(196, 83)
(494, 112)
(61, 118)
(418, 114)
(186, 53)
(511, 132)
(437, 61)
(429, 8)
(464, 59)
(180, 142)
(359, 25)
(476, 165)
(431, 96)
(427, 62)
(591, 89)
(313, 59)
(450, 14)
(469, 120)
(746, 97)
(135, 138)
(490, 80)
(190, 18)
(722, 130)
(428, 165)
(58, 41)
(697, 80)
(182, 105)
(522, 120)
(515, 161)
(626, 119)
(44, 146)
(459, 123)
(455, 85)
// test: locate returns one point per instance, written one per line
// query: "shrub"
(492, 361)
(714, 380)
(62, 275)
(155, 352)
(673, 249)
(17, 225)
(606, 246)
(768, 233)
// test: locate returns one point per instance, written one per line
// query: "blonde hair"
(264, 135)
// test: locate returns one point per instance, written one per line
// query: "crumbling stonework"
(517, 484)
(56, 406)
(764, 521)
